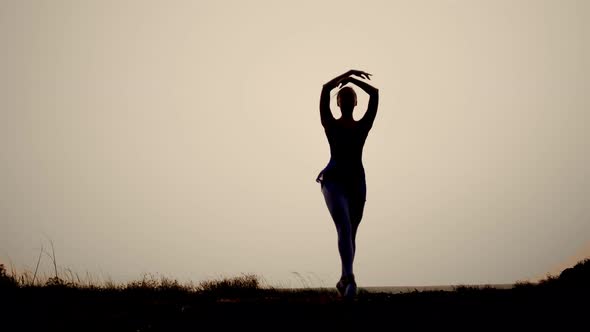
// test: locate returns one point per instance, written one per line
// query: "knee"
(344, 231)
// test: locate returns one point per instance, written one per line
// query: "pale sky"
(183, 138)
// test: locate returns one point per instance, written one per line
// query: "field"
(159, 304)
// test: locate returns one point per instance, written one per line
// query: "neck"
(346, 114)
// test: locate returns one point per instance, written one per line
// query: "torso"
(347, 139)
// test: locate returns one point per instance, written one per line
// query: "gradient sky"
(183, 138)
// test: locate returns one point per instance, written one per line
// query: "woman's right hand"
(359, 73)
(345, 78)
(333, 83)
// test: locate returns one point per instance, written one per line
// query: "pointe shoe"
(341, 286)
(347, 286)
(350, 290)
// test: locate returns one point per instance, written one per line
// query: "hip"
(352, 190)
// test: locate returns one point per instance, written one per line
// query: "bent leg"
(338, 206)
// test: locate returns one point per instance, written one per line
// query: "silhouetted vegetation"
(577, 277)
(6, 280)
(66, 302)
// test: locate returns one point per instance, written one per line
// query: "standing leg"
(356, 208)
(356, 215)
(338, 206)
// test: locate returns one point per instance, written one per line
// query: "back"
(346, 142)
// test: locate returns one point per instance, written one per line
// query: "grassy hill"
(153, 304)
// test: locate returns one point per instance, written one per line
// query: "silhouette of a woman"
(343, 179)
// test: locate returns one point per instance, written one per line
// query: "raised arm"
(369, 117)
(325, 113)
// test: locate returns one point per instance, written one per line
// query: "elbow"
(375, 93)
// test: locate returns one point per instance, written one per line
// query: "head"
(346, 100)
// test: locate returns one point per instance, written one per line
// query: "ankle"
(349, 278)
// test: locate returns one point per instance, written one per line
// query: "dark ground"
(558, 303)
